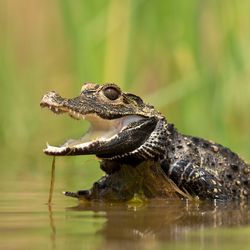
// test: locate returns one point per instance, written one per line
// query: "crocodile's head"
(122, 125)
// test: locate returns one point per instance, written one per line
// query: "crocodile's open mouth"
(101, 131)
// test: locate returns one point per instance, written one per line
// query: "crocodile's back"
(207, 169)
(231, 170)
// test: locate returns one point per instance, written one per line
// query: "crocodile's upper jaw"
(119, 125)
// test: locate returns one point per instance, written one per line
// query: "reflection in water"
(52, 226)
(164, 221)
(28, 223)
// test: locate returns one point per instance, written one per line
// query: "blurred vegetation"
(188, 58)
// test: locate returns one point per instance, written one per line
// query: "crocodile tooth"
(53, 149)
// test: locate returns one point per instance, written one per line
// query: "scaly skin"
(146, 154)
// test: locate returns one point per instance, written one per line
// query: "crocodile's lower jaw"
(100, 132)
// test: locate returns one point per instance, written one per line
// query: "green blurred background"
(190, 59)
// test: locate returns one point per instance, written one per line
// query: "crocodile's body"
(133, 135)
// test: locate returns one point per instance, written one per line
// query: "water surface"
(27, 222)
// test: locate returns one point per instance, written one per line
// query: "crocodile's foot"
(81, 194)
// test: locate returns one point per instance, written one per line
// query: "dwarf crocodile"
(140, 151)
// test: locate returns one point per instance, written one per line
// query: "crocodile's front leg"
(116, 185)
(194, 179)
(103, 189)
(122, 182)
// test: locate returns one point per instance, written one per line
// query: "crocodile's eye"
(111, 93)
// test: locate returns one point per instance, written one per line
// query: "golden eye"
(111, 93)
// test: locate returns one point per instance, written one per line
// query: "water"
(27, 222)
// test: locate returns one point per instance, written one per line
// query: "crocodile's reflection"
(165, 220)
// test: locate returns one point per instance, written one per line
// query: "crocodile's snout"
(50, 98)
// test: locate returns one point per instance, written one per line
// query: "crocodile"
(142, 153)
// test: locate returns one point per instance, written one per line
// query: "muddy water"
(26, 222)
